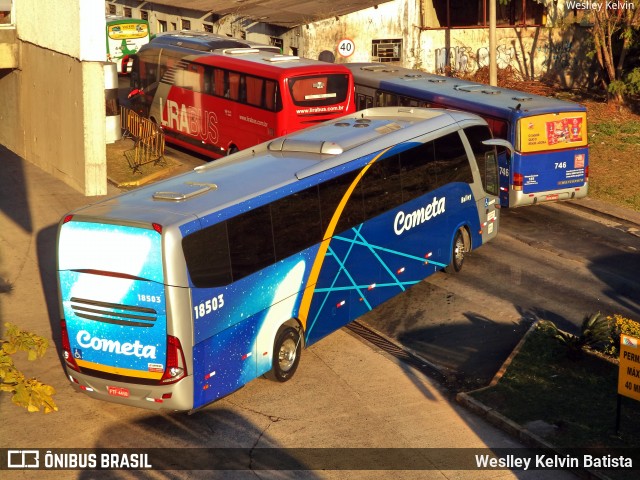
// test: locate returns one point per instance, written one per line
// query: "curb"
(143, 180)
(509, 426)
(628, 219)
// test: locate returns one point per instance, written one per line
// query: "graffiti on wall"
(453, 58)
(461, 59)
(556, 54)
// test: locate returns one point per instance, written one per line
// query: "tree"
(613, 34)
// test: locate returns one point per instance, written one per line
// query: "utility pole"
(493, 66)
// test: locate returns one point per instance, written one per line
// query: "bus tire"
(457, 253)
(232, 149)
(287, 348)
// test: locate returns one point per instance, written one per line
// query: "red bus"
(216, 95)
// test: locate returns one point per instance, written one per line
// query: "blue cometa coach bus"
(551, 157)
(176, 294)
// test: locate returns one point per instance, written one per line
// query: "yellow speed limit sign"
(629, 373)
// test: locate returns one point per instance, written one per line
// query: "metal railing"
(148, 138)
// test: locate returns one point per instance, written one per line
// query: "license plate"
(552, 197)
(118, 391)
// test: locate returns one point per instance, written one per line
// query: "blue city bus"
(176, 294)
(551, 157)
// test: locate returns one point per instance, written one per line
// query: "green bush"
(618, 326)
(595, 333)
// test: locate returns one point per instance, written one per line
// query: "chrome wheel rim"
(458, 253)
(287, 355)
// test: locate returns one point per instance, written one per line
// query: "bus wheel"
(457, 253)
(287, 349)
(232, 149)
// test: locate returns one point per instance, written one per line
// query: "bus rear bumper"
(173, 397)
(521, 199)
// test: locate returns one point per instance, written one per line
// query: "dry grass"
(614, 139)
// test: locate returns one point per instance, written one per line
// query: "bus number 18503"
(208, 306)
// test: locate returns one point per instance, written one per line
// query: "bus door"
(486, 154)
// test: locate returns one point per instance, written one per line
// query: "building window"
(112, 9)
(277, 42)
(144, 15)
(186, 24)
(127, 12)
(513, 13)
(389, 50)
(174, 26)
(162, 26)
(207, 27)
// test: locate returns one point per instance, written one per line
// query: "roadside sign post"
(628, 373)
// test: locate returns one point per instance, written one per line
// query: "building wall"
(535, 52)
(53, 111)
(558, 53)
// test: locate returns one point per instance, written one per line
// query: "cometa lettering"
(85, 340)
(406, 221)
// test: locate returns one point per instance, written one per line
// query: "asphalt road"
(549, 262)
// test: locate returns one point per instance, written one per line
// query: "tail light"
(176, 366)
(518, 179)
(66, 347)
(586, 173)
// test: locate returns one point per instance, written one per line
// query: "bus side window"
(219, 81)
(451, 160)
(378, 102)
(382, 186)
(207, 255)
(384, 99)
(331, 193)
(207, 81)
(255, 91)
(418, 176)
(364, 101)
(271, 96)
(296, 222)
(251, 242)
(499, 128)
(234, 86)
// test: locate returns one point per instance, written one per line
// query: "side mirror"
(498, 142)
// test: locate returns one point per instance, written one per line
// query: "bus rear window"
(319, 90)
(120, 249)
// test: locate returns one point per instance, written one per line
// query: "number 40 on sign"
(346, 47)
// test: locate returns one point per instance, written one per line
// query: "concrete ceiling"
(285, 13)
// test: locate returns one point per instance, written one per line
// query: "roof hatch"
(188, 190)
